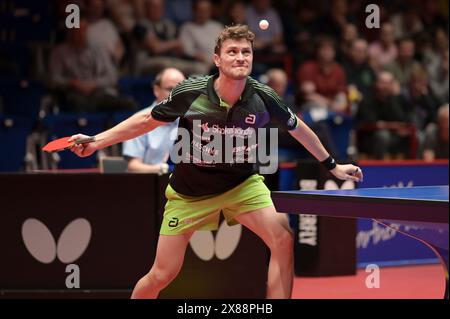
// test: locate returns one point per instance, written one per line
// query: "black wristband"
(329, 163)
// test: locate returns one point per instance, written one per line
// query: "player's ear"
(216, 60)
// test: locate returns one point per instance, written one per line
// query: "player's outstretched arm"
(304, 135)
(135, 125)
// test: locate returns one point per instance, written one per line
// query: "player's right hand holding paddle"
(83, 150)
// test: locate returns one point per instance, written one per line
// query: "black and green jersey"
(195, 101)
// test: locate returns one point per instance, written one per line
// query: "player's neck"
(229, 90)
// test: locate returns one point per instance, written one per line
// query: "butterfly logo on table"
(205, 246)
(70, 246)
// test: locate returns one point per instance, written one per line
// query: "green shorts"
(187, 213)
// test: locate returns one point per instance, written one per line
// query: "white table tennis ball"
(263, 24)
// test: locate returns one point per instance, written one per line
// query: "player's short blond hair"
(236, 32)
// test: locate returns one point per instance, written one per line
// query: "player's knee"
(162, 277)
(283, 240)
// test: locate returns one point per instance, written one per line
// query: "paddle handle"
(85, 140)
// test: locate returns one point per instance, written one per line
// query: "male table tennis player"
(198, 191)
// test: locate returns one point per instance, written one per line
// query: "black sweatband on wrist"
(329, 163)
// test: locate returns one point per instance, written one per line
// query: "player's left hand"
(348, 172)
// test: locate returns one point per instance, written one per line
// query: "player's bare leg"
(168, 261)
(274, 230)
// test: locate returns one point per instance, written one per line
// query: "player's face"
(235, 59)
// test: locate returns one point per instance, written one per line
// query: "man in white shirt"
(149, 153)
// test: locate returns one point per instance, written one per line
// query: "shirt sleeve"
(135, 148)
(279, 111)
(178, 102)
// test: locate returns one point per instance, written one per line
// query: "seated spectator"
(431, 16)
(404, 65)
(439, 78)
(196, 36)
(102, 32)
(236, 13)
(407, 23)
(84, 76)
(322, 85)
(178, 11)
(322, 82)
(336, 19)
(270, 40)
(436, 140)
(160, 46)
(149, 153)
(383, 51)
(432, 48)
(125, 14)
(348, 36)
(278, 80)
(360, 75)
(307, 27)
(382, 122)
(420, 105)
(288, 147)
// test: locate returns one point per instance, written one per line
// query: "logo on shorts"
(173, 222)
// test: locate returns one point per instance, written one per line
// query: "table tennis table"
(418, 212)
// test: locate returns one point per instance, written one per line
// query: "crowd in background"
(392, 82)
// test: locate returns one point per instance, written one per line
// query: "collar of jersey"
(213, 97)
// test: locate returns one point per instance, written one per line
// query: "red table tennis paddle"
(63, 143)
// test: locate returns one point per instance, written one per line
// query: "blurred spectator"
(420, 105)
(431, 47)
(307, 28)
(404, 65)
(125, 13)
(288, 147)
(407, 23)
(270, 40)
(149, 153)
(360, 75)
(431, 17)
(439, 78)
(349, 34)
(235, 13)
(196, 36)
(322, 85)
(84, 76)
(322, 82)
(441, 40)
(178, 11)
(383, 51)
(436, 141)
(278, 80)
(160, 46)
(337, 18)
(382, 123)
(102, 32)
